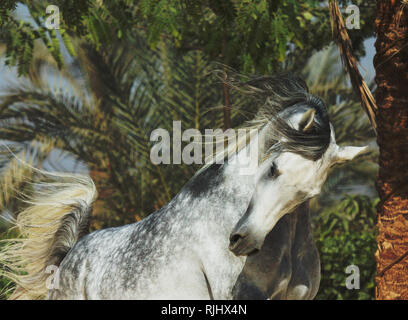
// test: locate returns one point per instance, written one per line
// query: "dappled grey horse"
(225, 235)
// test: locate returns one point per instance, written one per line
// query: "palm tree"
(101, 109)
(391, 64)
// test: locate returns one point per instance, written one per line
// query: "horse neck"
(237, 174)
(222, 190)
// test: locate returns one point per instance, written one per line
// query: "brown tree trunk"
(391, 64)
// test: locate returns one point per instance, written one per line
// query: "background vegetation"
(90, 93)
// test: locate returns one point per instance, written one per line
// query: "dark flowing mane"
(279, 97)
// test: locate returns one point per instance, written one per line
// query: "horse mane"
(278, 97)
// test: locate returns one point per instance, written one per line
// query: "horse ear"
(344, 154)
(306, 122)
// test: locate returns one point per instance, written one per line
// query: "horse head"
(299, 149)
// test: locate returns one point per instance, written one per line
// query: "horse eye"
(272, 171)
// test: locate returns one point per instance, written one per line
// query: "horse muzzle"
(243, 244)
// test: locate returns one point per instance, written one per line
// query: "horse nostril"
(235, 239)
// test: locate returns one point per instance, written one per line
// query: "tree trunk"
(391, 64)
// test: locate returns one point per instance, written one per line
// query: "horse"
(225, 235)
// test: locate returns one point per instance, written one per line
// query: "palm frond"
(344, 43)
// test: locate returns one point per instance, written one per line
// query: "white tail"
(57, 216)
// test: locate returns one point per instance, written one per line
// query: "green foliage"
(345, 235)
(7, 6)
(20, 37)
(252, 36)
(132, 91)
